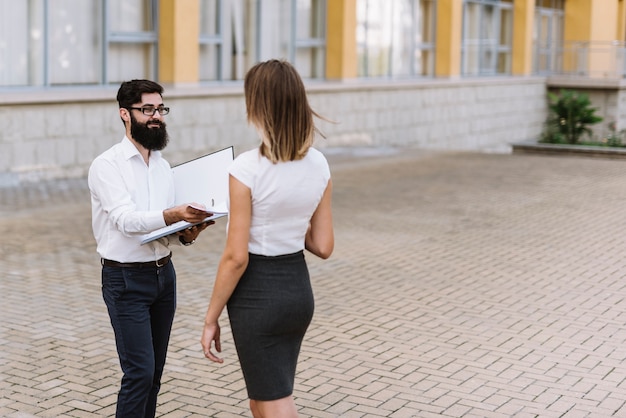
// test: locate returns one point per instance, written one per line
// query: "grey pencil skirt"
(269, 312)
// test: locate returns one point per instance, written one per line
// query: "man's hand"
(192, 213)
(190, 234)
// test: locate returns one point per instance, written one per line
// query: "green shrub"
(570, 116)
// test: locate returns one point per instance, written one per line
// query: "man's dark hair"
(130, 92)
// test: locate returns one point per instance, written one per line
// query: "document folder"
(203, 180)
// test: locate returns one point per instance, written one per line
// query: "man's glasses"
(151, 110)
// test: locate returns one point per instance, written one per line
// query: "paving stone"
(462, 284)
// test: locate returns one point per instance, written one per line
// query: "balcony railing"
(591, 59)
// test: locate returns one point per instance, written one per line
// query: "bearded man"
(132, 193)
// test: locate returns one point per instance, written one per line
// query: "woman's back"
(284, 197)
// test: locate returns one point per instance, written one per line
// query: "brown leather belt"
(140, 265)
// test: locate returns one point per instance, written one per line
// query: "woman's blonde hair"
(277, 106)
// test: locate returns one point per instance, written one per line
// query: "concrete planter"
(531, 147)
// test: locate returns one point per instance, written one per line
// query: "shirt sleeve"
(109, 188)
(321, 162)
(243, 168)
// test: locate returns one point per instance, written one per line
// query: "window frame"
(255, 52)
(107, 39)
(317, 44)
(146, 38)
(217, 40)
(415, 48)
(553, 52)
(490, 47)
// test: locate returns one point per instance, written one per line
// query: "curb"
(568, 150)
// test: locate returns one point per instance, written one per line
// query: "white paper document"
(203, 180)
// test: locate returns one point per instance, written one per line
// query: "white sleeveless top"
(284, 197)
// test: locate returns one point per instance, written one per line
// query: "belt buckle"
(160, 265)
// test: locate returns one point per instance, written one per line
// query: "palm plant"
(571, 114)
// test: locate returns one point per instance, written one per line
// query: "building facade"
(443, 74)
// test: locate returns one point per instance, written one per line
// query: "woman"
(280, 204)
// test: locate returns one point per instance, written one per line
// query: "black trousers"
(141, 303)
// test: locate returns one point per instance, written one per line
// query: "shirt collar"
(130, 150)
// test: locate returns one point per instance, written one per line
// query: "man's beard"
(153, 139)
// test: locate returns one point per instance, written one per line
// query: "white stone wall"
(454, 115)
(55, 134)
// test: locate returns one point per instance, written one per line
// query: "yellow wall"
(523, 21)
(621, 21)
(591, 20)
(341, 54)
(595, 23)
(448, 42)
(178, 41)
(604, 20)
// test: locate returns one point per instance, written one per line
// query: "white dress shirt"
(284, 197)
(127, 200)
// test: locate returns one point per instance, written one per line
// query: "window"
(100, 42)
(487, 37)
(211, 40)
(308, 45)
(395, 38)
(49, 42)
(131, 39)
(76, 42)
(236, 34)
(21, 44)
(548, 37)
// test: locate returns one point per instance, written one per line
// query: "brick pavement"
(462, 285)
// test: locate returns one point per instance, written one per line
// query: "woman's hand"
(210, 334)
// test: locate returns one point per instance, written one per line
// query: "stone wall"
(482, 114)
(53, 134)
